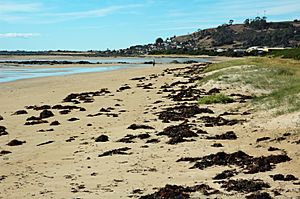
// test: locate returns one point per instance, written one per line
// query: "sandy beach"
(61, 152)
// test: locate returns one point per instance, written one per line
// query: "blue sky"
(114, 24)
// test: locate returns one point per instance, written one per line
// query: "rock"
(1, 118)
(46, 114)
(15, 143)
(102, 138)
(20, 112)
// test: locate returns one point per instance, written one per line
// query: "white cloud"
(19, 7)
(19, 35)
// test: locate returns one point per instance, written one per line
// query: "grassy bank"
(277, 79)
(287, 53)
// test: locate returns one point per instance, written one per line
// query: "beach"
(114, 140)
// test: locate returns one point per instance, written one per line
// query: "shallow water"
(129, 60)
(9, 74)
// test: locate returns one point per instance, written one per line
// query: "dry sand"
(71, 168)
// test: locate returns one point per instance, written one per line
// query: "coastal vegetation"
(216, 98)
(275, 81)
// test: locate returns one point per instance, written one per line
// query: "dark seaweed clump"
(248, 163)
(182, 112)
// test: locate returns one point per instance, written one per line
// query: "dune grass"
(279, 78)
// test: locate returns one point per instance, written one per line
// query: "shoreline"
(68, 160)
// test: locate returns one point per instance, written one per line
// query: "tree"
(159, 41)
(231, 22)
(247, 22)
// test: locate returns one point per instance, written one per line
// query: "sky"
(115, 24)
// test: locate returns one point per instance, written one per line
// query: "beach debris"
(4, 152)
(86, 97)
(145, 86)
(177, 133)
(242, 98)
(188, 94)
(106, 110)
(3, 131)
(1, 118)
(139, 126)
(15, 142)
(153, 141)
(55, 123)
(47, 130)
(244, 185)
(273, 149)
(45, 143)
(175, 191)
(247, 163)
(73, 119)
(138, 78)
(102, 138)
(217, 145)
(262, 139)
(71, 139)
(46, 114)
(2, 177)
(181, 112)
(123, 88)
(38, 108)
(64, 112)
(129, 138)
(218, 121)
(230, 135)
(120, 151)
(259, 195)
(281, 177)
(35, 122)
(226, 174)
(213, 91)
(20, 112)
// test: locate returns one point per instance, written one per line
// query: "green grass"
(287, 53)
(278, 79)
(217, 98)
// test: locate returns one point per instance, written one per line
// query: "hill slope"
(257, 32)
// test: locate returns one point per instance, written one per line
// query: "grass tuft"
(216, 98)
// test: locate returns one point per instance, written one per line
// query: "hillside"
(257, 32)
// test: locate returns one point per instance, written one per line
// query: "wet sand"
(81, 151)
